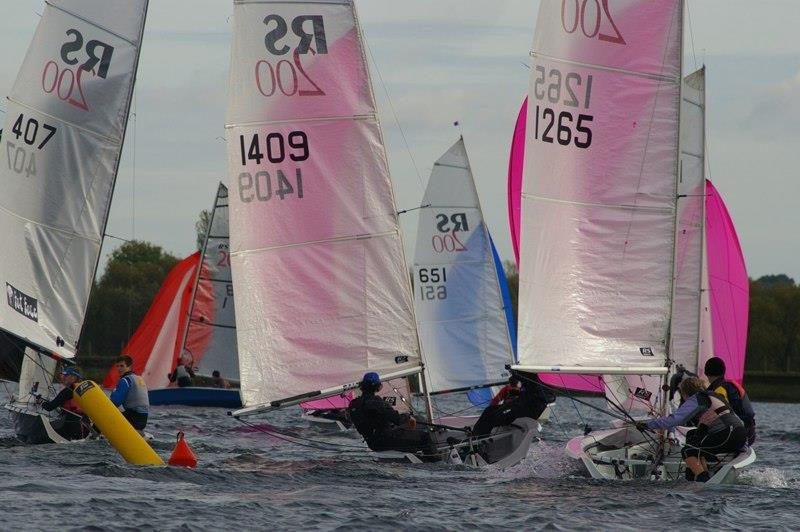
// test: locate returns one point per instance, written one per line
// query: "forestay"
(322, 290)
(460, 311)
(210, 339)
(600, 188)
(63, 134)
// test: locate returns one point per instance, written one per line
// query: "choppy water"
(249, 480)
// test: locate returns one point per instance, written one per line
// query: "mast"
(116, 164)
(200, 269)
(678, 171)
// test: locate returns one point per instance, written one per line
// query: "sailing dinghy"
(462, 303)
(612, 223)
(64, 130)
(322, 291)
(191, 321)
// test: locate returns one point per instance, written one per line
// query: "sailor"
(131, 393)
(217, 381)
(529, 400)
(513, 384)
(718, 430)
(71, 424)
(383, 427)
(734, 395)
(182, 373)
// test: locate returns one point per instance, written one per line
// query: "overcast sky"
(442, 61)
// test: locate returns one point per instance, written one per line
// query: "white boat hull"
(624, 453)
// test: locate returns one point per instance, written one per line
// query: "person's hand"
(412, 422)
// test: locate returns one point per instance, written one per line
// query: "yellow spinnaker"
(113, 425)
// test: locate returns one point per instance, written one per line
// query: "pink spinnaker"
(516, 166)
(729, 286)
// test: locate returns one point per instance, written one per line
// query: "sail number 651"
(574, 13)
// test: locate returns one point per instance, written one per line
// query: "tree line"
(134, 272)
(773, 333)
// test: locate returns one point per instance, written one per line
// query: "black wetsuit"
(384, 428)
(70, 425)
(533, 398)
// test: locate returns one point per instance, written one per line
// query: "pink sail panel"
(329, 403)
(729, 286)
(156, 344)
(516, 165)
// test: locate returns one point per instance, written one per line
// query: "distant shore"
(773, 386)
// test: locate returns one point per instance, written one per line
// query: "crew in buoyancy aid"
(71, 424)
(529, 400)
(718, 430)
(131, 393)
(383, 427)
(182, 373)
(734, 395)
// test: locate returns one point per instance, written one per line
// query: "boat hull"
(504, 447)
(195, 396)
(624, 453)
(34, 426)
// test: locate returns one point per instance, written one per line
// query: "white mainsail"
(600, 191)
(64, 130)
(459, 307)
(687, 322)
(210, 337)
(322, 291)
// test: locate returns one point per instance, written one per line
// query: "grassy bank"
(774, 387)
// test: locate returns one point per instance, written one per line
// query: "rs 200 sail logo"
(78, 56)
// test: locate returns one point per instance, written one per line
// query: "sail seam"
(51, 227)
(452, 166)
(322, 2)
(486, 316)
(371, 116)
(91, 23)
(589, 204)
(646, 75)
(213, 324)
(348, 238)
(113, 140)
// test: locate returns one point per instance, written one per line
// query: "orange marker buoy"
(182, 455)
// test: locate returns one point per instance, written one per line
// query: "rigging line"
(282, 437)
(109, 235)
(394, 114)
(133, 160)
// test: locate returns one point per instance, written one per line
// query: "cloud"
(777, 110)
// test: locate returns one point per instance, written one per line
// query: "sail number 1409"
(275, 149)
